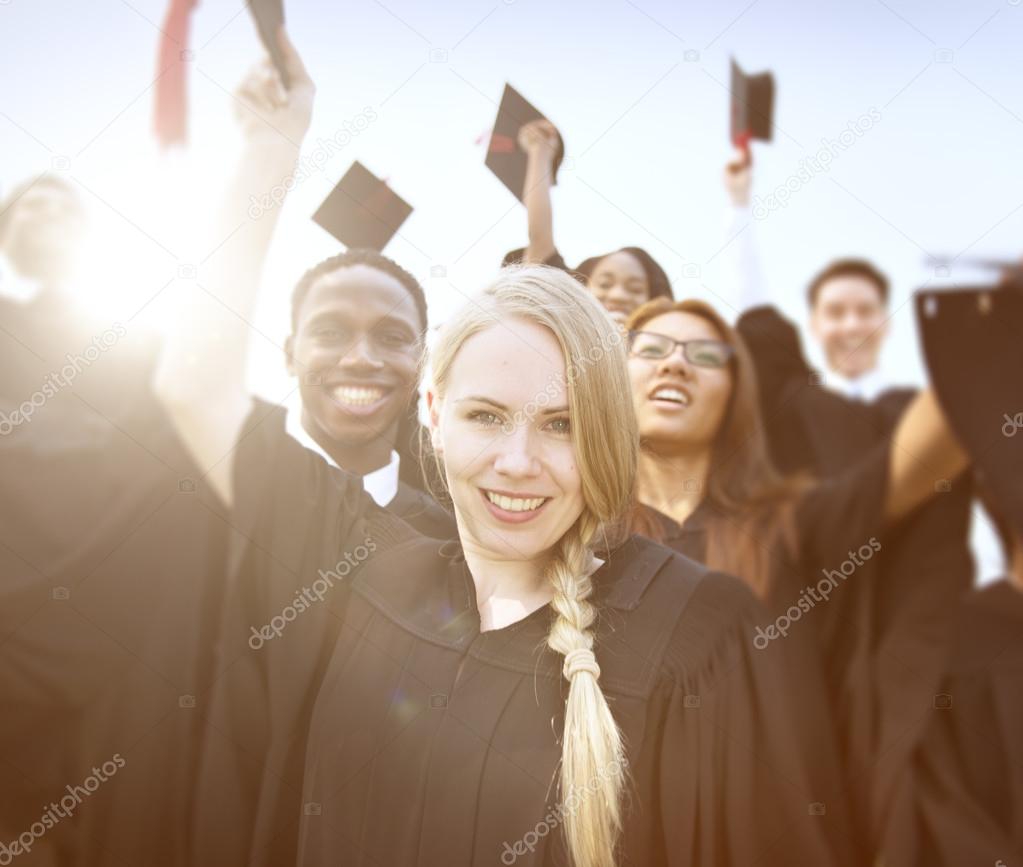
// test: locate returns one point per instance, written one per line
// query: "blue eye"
(560, 425)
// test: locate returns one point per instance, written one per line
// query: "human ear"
(289, 355)
(433, 405)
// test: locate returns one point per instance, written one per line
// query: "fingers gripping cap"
(578, 660)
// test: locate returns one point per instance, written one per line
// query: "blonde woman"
(542, 690)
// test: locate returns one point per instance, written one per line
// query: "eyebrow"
(336, 316)
(476, 398)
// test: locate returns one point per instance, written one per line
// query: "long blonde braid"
(592, 754)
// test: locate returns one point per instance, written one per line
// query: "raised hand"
(539, 139)
(739, 178)
(265, 109)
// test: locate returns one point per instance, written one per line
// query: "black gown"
(876, 647)
(110, 569)
(925, 568)
(810, 428)
(963, 801)
(250, 771)
(431, 743)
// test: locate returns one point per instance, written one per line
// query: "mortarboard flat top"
(362, 211)
(752, 106)
(971, 341)
(269, 18)
(504, 157)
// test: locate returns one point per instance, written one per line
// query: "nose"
(360, 354)
(517, 453)
(676, 363)
(617, 292)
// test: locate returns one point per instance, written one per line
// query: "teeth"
(358, 396)
(516, 504)
(672, 394)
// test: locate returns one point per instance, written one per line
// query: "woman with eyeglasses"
(809, 549)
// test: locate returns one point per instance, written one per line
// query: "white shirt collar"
(865, 387)
(381, 484)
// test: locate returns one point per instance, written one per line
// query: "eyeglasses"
(702, 353)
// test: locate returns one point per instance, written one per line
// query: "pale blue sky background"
(645, 130)
(939, 173)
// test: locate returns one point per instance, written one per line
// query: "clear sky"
(639, 90)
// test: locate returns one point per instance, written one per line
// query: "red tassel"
(502, 144)
(170, 117)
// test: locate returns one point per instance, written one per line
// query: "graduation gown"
(875, 644)
(250, 776)
(109, 608)
(396, 733)
(926, 565)
(809, 428)
(963, 801)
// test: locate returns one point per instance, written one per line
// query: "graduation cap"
(362, 211)
(269, 18)
(752, 115)
(973, 342)
(504, 156)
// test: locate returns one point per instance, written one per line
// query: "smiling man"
(849, 318)
(357, 321)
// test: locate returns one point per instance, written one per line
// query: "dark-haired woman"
(811, 550)
(621, 280)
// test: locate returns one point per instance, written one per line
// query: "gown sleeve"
(962, 803)
(300, 531)
(881, 601)
(809, 428)
(734, 783)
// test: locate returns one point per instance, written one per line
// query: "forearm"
(201, 374)
(924, 454)
(741, 274)
(213, 316)
(540, 214)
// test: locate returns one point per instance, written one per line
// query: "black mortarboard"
(752, 106)
(269, 18)
(362, 211)
(973, 342)
(504, 156)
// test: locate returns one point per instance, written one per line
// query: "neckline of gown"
(436, 601)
